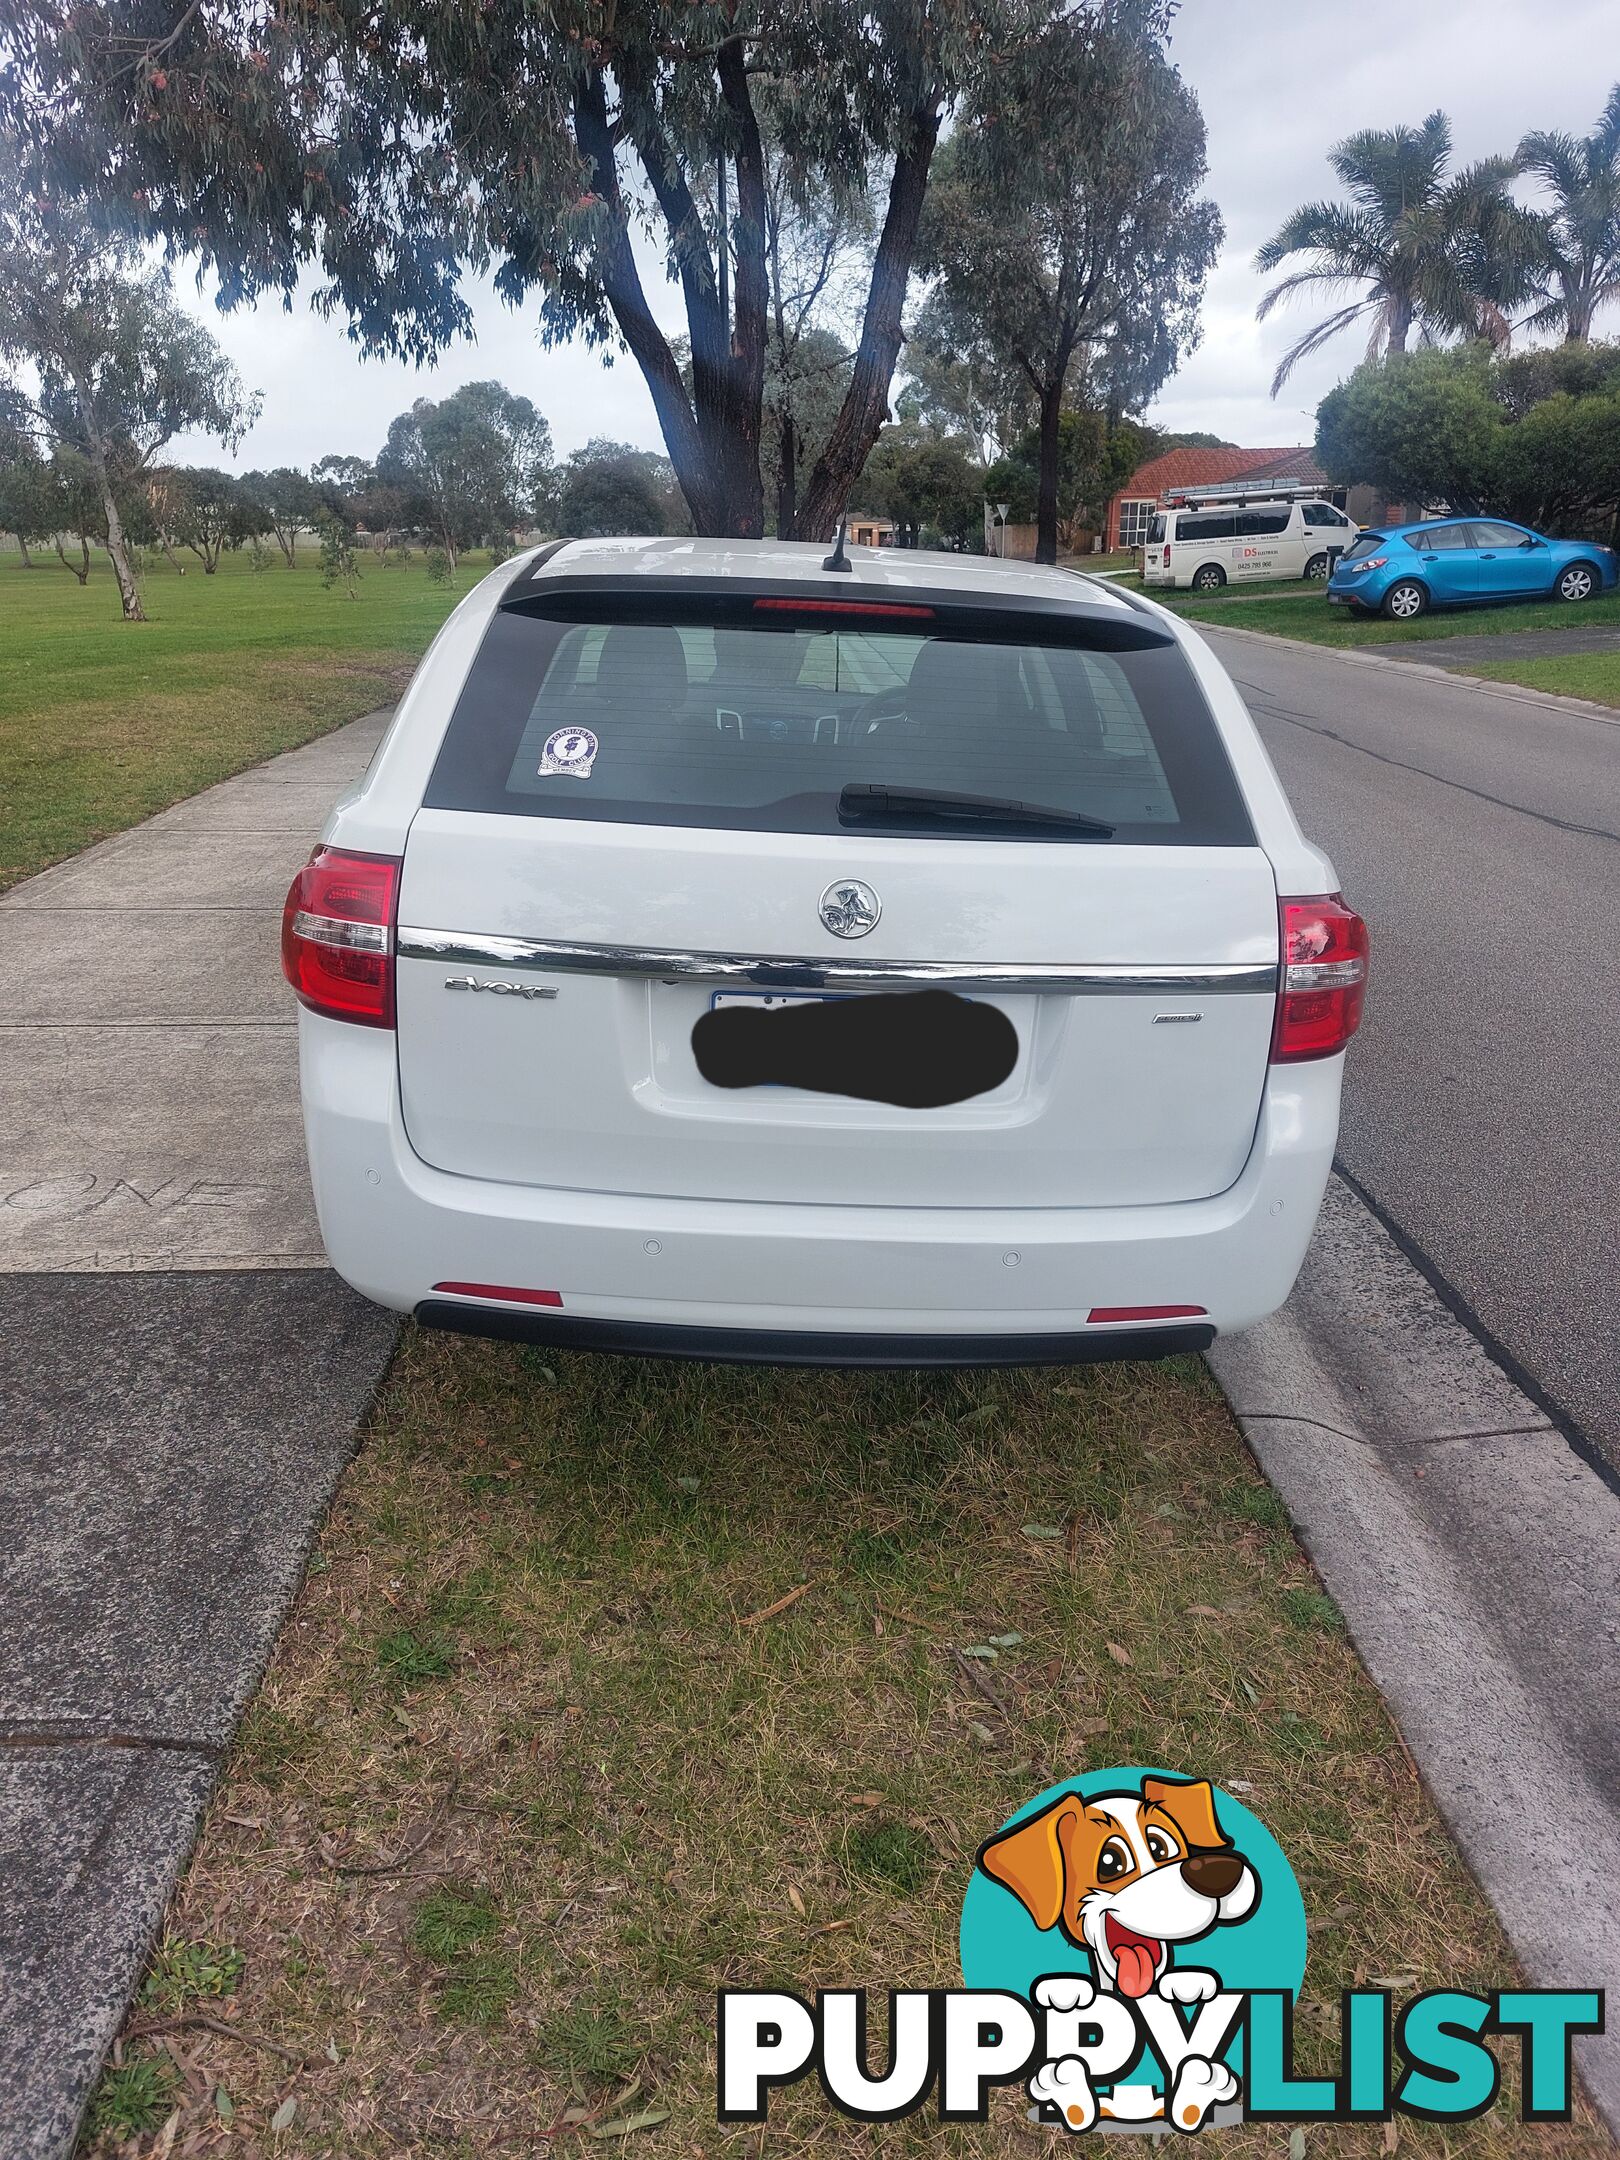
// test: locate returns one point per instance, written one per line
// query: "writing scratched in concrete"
(83, 1193)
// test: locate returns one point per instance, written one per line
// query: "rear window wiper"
(862, 800)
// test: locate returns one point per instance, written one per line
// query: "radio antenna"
(838, 560)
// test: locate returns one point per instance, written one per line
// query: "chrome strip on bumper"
(470, 948)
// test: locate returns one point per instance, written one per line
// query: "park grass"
(103, 722)
(612, 1683)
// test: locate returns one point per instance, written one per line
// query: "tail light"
(1324, 979)
(337, 936)
(1167, 557)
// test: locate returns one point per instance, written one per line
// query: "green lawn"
(104, 722)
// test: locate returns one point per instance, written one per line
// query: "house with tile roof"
(1164, 478)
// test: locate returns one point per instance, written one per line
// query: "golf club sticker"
(1133, 1948)
(570, 750)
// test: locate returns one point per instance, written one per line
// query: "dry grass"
(523, 1686)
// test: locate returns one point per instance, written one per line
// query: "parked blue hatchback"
(1405, 570)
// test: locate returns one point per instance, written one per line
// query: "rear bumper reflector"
(504, 1291)
(768, 1346)
(1100, 1315)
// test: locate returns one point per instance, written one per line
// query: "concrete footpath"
(1475, 1555)
(181, 1379)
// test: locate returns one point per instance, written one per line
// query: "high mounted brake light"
(842, 607)
(1324, 978)
(337, 936)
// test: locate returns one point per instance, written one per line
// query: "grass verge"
(612, 1683)
(103, 722)
(1594, 675)
(1327, 624)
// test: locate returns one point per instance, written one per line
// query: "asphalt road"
(1479, 833)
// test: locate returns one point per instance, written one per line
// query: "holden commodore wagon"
(740, 952)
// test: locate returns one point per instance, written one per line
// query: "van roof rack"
(1220, 495)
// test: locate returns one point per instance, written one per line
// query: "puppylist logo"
(1133, 1944)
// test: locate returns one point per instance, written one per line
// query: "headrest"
(962, 684)
(638, 661)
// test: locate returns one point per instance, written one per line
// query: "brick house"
(1151, 486)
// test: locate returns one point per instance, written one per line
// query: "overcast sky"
(1279, 80)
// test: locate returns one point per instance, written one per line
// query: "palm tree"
(1581, 233)
(1442, 253)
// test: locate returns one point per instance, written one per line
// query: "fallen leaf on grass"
(866, 1799)
(1009, 1641)
(1042, 1530)
(1296, 2144)
(286, 2115)
(1119, 1653)
(769, 1612)
(1391, 2139)
(795, 1899)
(224, 2104)
(981, 1650)
(832, 1927)
(648, 2119)
(1204, 1612)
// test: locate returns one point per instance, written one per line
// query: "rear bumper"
(774, 1346)
(743, 1278)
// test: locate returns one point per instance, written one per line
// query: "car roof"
(1459, 517)
(975, 577)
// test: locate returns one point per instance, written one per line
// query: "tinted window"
(1367, 544)
(1324, 514)
(1498, 536)
(732, 724)
(1206, 525)
(1441, 536)
(1156, 530)
(1251, 523)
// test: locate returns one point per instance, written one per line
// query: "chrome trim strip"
(471, 948)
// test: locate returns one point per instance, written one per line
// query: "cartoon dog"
(1127, 1876)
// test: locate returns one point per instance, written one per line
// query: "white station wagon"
(740, 952)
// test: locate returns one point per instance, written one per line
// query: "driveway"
(1479, 831)
(180, 1380)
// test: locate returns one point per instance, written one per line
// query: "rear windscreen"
(1366, 545)
(760, 725)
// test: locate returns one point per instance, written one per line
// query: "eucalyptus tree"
(392, 148)
(1417, 248)
(289, 500)
(818, 237)
(978, 391)
(467, 467)
(1065, 222)
(1581, 231)
(120, 370)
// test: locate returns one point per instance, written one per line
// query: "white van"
(1207, 545)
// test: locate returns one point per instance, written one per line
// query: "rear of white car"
(648, 797)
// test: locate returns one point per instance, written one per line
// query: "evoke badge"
(501, 989)
(850, 909)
